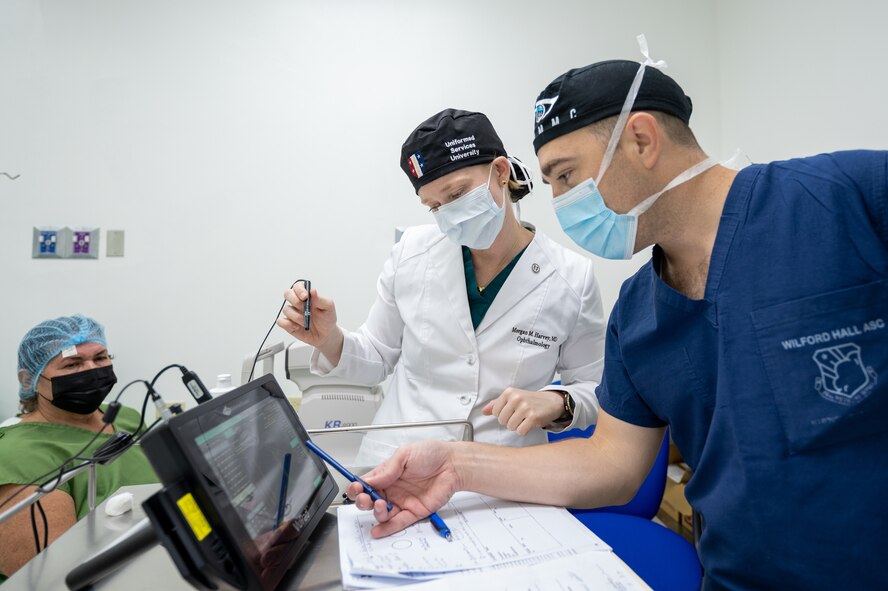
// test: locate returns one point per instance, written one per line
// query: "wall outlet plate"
(114, 243)
(46, 243)
(83, 243)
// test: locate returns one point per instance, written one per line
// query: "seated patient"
(64, 372)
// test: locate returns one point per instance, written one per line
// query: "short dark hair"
(677, 130)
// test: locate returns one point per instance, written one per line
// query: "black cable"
(83, 462)
(192, 382)
(150, 393)
(164, 370)
(127, 386)
(34, 529)
(145, 432)
(45, 525)
(115, 446)
(262, 344)
(144, 408)
(273, 324)
(118, 442)
(60, 469)
(85, 447)
(63, 469)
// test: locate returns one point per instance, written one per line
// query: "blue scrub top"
(775, 384)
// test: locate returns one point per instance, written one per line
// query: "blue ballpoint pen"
(441, 527)
(285, 483)
(342, 470)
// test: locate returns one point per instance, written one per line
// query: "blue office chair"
(661, 557)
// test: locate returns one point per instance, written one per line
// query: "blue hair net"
(48, 339)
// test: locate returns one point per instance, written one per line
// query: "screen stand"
(138, 539)
(164, 525)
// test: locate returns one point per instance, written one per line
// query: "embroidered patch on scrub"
(844, 376)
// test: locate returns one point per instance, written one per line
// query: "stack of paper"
(488, 535)
(591, 571)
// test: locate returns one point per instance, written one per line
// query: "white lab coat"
(546, 318)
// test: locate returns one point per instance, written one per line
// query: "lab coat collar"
(451, 279)
(532, 269)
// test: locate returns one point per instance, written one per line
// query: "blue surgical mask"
(582, 212)
(589, 222)
(592, 225)
(473, 219)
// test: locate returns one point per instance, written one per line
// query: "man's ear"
(642, 137)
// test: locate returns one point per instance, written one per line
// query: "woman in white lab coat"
(475, 315)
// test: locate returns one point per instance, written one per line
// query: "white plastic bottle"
(223, 384)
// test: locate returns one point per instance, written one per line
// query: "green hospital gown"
(28, 450)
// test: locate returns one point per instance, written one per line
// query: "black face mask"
(84, 391)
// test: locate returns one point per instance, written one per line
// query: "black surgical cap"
(582, 96)
(448, 141)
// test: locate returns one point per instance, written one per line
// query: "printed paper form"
(359, 581)
(587, 572)
(486, 532)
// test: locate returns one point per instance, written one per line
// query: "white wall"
(243, 144)
(800, 77)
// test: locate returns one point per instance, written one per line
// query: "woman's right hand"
(323, 333)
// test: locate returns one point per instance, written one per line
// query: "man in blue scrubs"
(758, 332)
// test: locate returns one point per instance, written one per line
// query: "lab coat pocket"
(826, 358)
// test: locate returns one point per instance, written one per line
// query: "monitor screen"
(261, 463)
(262, 490)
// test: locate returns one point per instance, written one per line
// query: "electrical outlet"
(46, 243)
(84, 243)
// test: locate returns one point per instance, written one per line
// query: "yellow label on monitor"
(194, 516)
